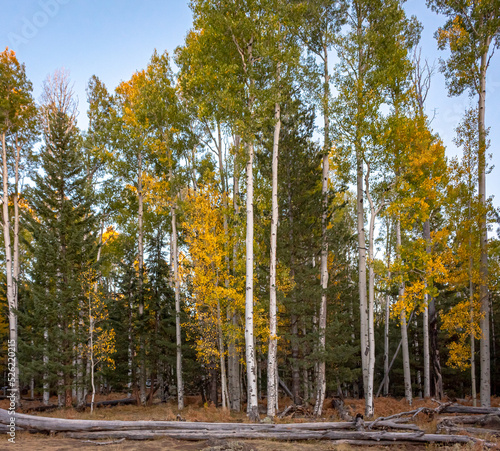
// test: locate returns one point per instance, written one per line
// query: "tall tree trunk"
(404, 331)
(427, 364)
(387, 316)
(11, 298)
(363, 305)
(178, 339)
(321, 370)
(369, 406)
(472, 341)
(272, 363)
(484, 344)
(142, 350)
(252, 408)
(223, 377)
(234, 371)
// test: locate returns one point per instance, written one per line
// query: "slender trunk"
(484, 344)
(363, 304)
(222, 361)
(404, 331)
(233, 362)
(369, 406)
(178, 340)
(427, 360)
(91, 333)
(387, 315)
(11, 298)
(253, 412)
(386, 341)
(472, 341)
(15, 269)
(142, 350)
(321, 369)
(272, 363)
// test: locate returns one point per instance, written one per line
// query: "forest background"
(167, 153)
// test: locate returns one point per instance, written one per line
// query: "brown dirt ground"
(196, 411)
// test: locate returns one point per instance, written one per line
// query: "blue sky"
(112, 39)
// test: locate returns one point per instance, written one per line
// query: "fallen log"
(376, 437)
(61, 424)
(483, 420)
(457, 408)
(475, 431)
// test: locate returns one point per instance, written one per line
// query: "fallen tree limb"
(483, 420)
(145, 430)
(476, 431)
(412, 413)
(61, 424)
(376, 437)
(457, 408)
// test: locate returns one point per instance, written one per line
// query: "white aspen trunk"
(175, 258)
(130, 353)
(16, 269)
(272, 363)
(386, 341)
(142, 350)
(91, 334)
(427, 356)
(484, 344)
(369, 405)
(472, 338)
(387, 316)
(223, 377)
(233, 362)
(11, 298)
(404, 332)
(253, 411)
(321, 368)
(363, 304)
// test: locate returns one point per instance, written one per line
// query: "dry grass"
(196, 411)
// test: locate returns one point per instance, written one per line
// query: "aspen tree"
(472, 33)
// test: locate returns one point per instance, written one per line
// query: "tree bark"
(369, 406)
(252, 407)
(272, 363)
(387, 316)
(140, 257)
(234, 373)
(484, 344)
(178, 338)
(11, 298)
(427, 359)
(404, 331)
(321, 368)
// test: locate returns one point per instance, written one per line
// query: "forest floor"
(196, 411)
